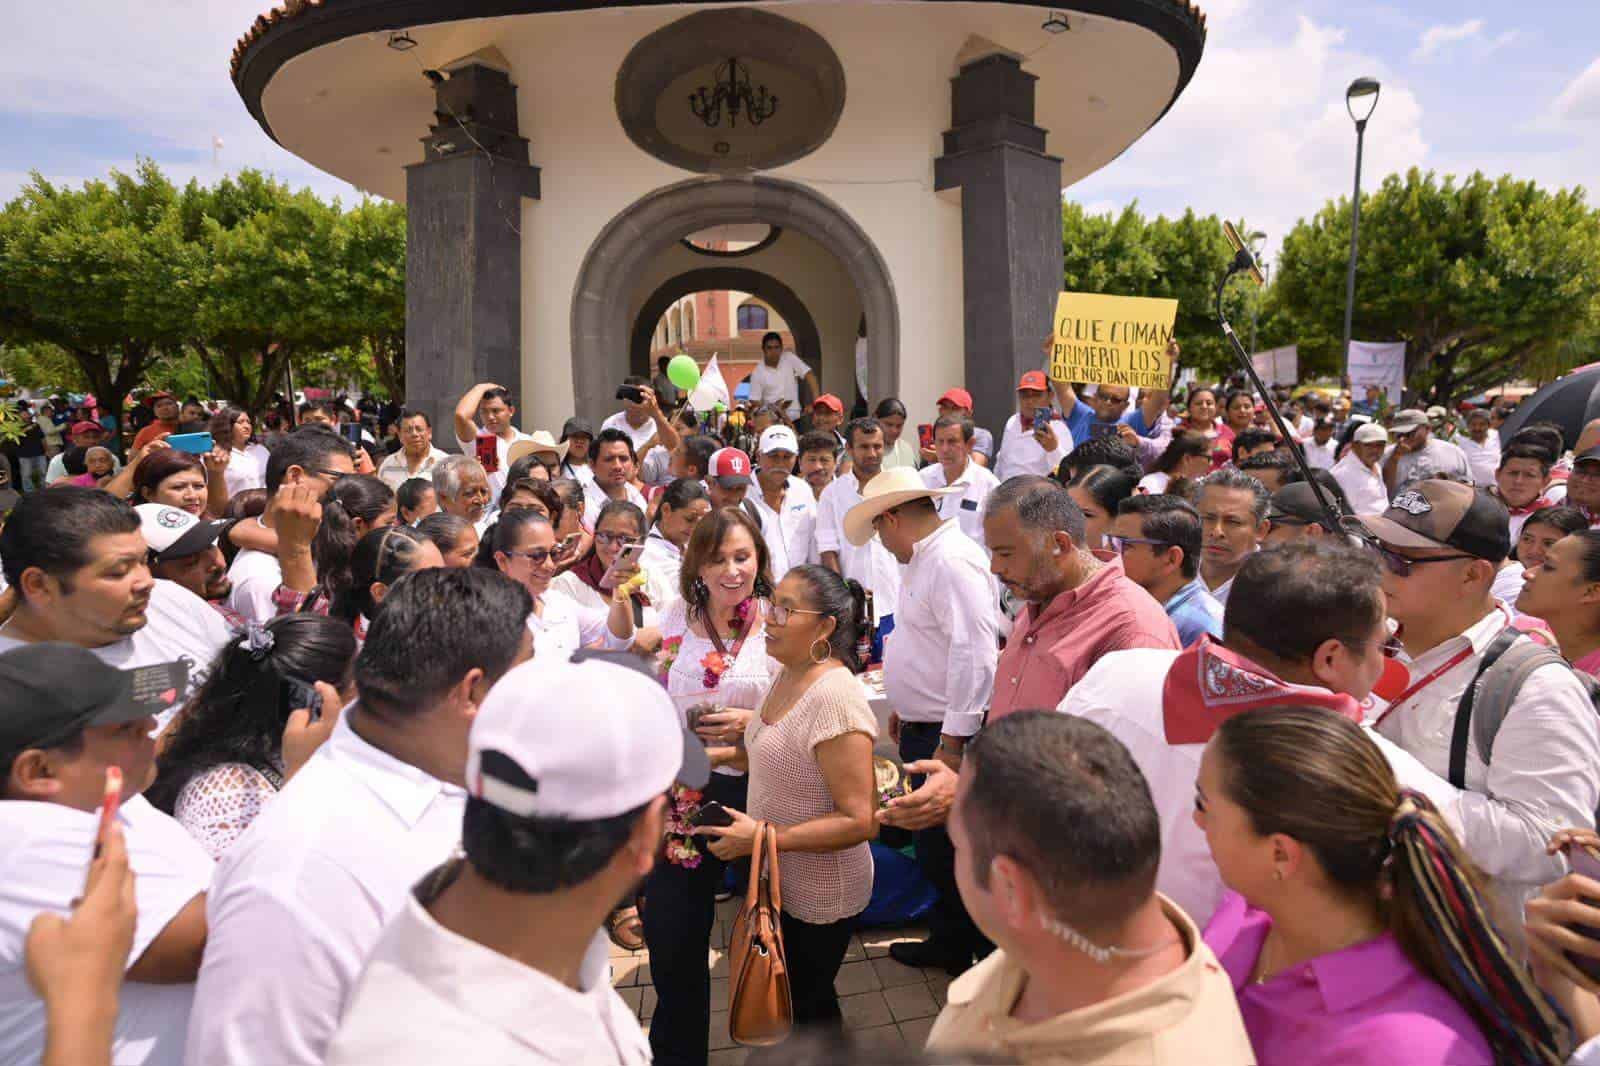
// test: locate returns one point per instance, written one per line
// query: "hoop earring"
(827, 651)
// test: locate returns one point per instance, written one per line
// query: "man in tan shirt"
(1057, 843)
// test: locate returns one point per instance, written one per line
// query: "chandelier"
(732, 90)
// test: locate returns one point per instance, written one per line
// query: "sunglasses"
(538, 556)
(1401, 566)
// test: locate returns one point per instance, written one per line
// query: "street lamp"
(1363, 93)
(1255, 239)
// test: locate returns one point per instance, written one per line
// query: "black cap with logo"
(49, 692)
(1444, 514)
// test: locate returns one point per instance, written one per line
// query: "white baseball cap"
(778, 439)
(580, 739)
(172, 534)
(1370, 433)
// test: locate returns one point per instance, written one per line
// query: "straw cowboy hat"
(542, 442)
(889, 489)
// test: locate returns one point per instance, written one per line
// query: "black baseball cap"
(1297, 503)
(1592, 454)
(574, 426)
(49, 692)
(1444, 514)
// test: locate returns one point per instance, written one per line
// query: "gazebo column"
(1010, 227)
(464, 244)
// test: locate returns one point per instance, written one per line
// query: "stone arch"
(764, 287)
(601, 332)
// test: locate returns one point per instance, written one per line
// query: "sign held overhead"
(1113, 340)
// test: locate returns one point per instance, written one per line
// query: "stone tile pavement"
(885, 1004)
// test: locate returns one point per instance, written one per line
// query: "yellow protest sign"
(1112, 340)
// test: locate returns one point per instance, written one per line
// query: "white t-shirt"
(179, 626)
(640, 435)
(1021, 452)
(779, 384)
(560, 627)
(662, 562)
(256, 575)
(502, 445)
(595, 498)
(44, 851)
(247, 469)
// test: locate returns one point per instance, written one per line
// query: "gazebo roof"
(299, 26)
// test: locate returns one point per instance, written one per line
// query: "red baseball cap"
(958, 398)
(830, 401)
(730, 466)
(86, 427)
(1033, 380)
(154, 396)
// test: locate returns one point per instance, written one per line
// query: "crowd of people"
(1212, 743)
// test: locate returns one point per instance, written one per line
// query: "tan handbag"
(760, 1011)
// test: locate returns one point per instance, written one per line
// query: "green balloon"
(682, 372)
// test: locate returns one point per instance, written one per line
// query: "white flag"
(712, 390)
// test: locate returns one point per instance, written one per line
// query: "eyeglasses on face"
(778, 614)
(607, 540)
(1120, 544)
(536, 556)
(1401, 565)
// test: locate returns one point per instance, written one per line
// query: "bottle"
(864, 637)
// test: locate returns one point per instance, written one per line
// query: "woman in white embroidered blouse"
(712, 644)
(522, 545)
(228, 753)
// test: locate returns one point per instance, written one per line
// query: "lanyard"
(1416, 687)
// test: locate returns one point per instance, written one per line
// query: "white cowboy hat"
(889, 489)
(541, 442)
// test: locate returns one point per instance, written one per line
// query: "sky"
(1261, 132)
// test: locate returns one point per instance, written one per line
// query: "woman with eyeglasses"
(522, 545)
(809, 753)
(715, 665)
(1358, 930)
(620, 524)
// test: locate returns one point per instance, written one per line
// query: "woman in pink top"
(1357, 930)
(1564, 590)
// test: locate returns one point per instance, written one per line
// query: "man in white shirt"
(1320, 447)
(65, 719)
(614, 464)
(953, 439)
(1035, 439)
(938, 670)
(869, 563)
(1442, 543)
(1359, 474)
(958, 402)
(417, 455)
(776, 379)
(309, 461)
(462, 489)
(80, 568)
(1233, 521)
(783, 502)
(1305, 627)
(642, 420)
(499, 957)
(1481, 445)
(299, 901)
(490, 404)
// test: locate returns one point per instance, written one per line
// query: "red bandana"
(1208, 684)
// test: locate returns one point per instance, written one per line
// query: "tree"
(101, 272)
(371, 284)
(1182, 258)
(1484, 280)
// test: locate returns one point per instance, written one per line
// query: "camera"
(630, 393)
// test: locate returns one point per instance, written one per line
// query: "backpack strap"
(1464, 707)
(1497, 693)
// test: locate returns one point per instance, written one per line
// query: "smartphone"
(925, 435)
(630, 393)
(627, 560)
(108, 809)
(1587, 863)
(488, 451)
(352, 432)
(711, 813)
(1103, 429)
(1042, 419)
(303, 694)
(193, 443)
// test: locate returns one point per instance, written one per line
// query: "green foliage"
(1184, 258)
(1485, 280)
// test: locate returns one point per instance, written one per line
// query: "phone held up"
(630, 393)
(925, 435)
(488, 452)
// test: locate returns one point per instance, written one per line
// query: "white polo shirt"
(301, 898)
(595, 498)
(396, 470)
(430, 996)
(789, 531)
(965, 507)
(44, 852)
(1021, 452)
(871, 564)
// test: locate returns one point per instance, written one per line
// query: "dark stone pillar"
(1010, 228)
(464, 246)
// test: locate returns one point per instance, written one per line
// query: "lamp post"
(1255, 239)
(1364, 90)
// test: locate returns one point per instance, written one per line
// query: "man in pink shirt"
(1079, 606)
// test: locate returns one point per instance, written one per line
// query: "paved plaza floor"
(884, 1003)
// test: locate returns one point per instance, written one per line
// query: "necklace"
(1263, 971)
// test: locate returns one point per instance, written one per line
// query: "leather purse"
(760, 1011)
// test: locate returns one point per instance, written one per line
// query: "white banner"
(1377, 363)
(1278, 366)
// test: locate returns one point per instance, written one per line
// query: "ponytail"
(354, 497)
(1440, 915)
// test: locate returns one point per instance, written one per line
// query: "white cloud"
(1580, 100)
(1437, 37)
